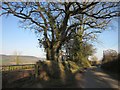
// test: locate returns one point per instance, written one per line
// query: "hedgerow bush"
(112, 66)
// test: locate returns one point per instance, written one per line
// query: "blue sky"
(25, 42)
(15, 39)
(108, 39)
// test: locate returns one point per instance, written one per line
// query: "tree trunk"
(52, 54)
(48, 54)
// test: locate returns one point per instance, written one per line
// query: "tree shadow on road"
(98, 79)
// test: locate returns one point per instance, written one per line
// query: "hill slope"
(10, 59)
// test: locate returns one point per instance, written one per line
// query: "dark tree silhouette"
(56, 22)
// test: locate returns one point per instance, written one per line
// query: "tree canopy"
(56, 22)
(109, 55)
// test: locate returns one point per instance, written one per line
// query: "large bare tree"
(56, 22)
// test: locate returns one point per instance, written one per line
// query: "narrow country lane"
(96, 78)
(92, 78)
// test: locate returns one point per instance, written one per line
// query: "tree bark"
(52, 53)
(48, 54)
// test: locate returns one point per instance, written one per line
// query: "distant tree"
(109, 55)
(56, 22)
(94, 60)
(17, 60)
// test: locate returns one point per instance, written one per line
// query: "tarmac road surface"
(96, 78)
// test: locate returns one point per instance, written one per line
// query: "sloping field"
(10, 59)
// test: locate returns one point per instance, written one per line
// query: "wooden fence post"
(36, 70)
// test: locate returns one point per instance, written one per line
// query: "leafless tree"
(56, 22)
